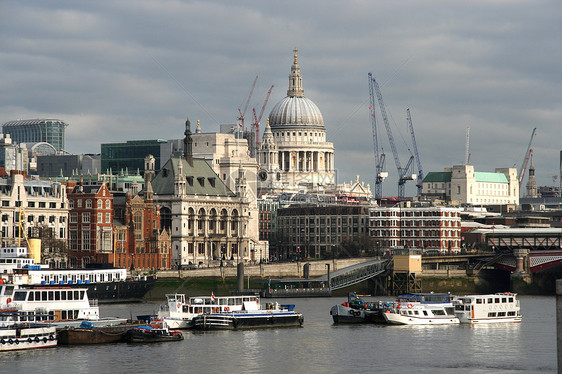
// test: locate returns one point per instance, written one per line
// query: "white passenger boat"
(178, 313)
(421, 313)
(492, 308)
(250, 317)
(17, 335)
(105, 283)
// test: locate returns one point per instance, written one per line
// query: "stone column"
(521, 257)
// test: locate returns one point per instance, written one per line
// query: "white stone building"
(294, 154)
(463, 185)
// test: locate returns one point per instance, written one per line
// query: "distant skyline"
(134, 70)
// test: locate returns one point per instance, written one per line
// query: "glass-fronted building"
(129, 156)
(50, 131)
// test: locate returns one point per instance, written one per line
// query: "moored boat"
(178, 313)
(152, 334)
(88, 333)
(356, 310)
(417, 313)
(250, 317)
(491, 308)
(17, 335)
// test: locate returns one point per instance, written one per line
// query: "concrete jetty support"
(559, 323)
(240, 277)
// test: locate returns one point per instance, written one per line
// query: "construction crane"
(257, 119)
(380, 175)
(404, 174)
(420, 171)
(526, 159)
(243, 113)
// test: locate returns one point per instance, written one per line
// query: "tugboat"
(356, 310)
(151, 334)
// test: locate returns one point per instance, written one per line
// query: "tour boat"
(249, 317)
(103, 282)
(179, 314)
(356, 310)
(16, 335)
(491, 308)
(422, 309)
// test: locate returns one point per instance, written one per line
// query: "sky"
(133, 70)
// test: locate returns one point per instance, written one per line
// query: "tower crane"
(243, 113)
(257, 119)
(420, 171)
(404, 174)
(526, 159)
(380, 175)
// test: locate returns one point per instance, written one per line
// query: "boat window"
(51, 295)
(44, 296)
(490, 300)
(20, 296)
(57, 295)
(511, 314)
(409, 312)
(416, 312)
(501, 314)
(425, 312)
(491, 314)
(450, 311)
(31, 296)
(63, 295)
(404, 312)
(478, 301)
(497, 300)
(76, 293)
(81, 295)
(438, 312)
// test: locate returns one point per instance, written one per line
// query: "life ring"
(410, 306)
(179, 305)
(227, 309)
(8, 300)
(215, 310)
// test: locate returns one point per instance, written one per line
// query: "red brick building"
(90, 224)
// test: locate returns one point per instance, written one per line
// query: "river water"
(317, 347)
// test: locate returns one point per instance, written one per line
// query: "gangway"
(355, 274)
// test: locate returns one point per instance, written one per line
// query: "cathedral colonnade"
(308, 161)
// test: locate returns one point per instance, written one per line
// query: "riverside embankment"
(222, 281)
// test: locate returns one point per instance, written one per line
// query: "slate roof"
(201, 179)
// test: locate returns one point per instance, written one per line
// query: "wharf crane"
(257, 118)
(243, 113)
(420, 171)
(404, 174)
(380, 175)
(526, 159)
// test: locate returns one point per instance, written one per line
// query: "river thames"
(317, 347)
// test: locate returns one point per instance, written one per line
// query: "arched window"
(165, 218)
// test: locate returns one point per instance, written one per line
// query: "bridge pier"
(521, 272)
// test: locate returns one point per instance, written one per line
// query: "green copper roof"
(199, 176)
(441, 176)
(490, 177)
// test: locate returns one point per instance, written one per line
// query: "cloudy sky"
(131, 70)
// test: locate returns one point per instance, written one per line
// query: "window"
(86, 217)
(73, 217)
(31, 204)
(107, 204)
(107, 217)
(86, 240)
(79, 203)
(89, 203)
(71, 204)
(53, 205)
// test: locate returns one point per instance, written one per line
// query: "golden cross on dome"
(295, 50)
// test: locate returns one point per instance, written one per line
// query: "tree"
(54, 251)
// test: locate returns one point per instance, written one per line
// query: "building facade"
(62, 165)
(90, 224)
(433, 229)
(207, 221)
(128, 157)
(37, 205)
(305, 231)
(463, 185)
(50, 131)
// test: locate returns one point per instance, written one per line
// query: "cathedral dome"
(295, 110)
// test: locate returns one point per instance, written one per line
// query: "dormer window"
(201, 181)
(212, 182)
(189, 180)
